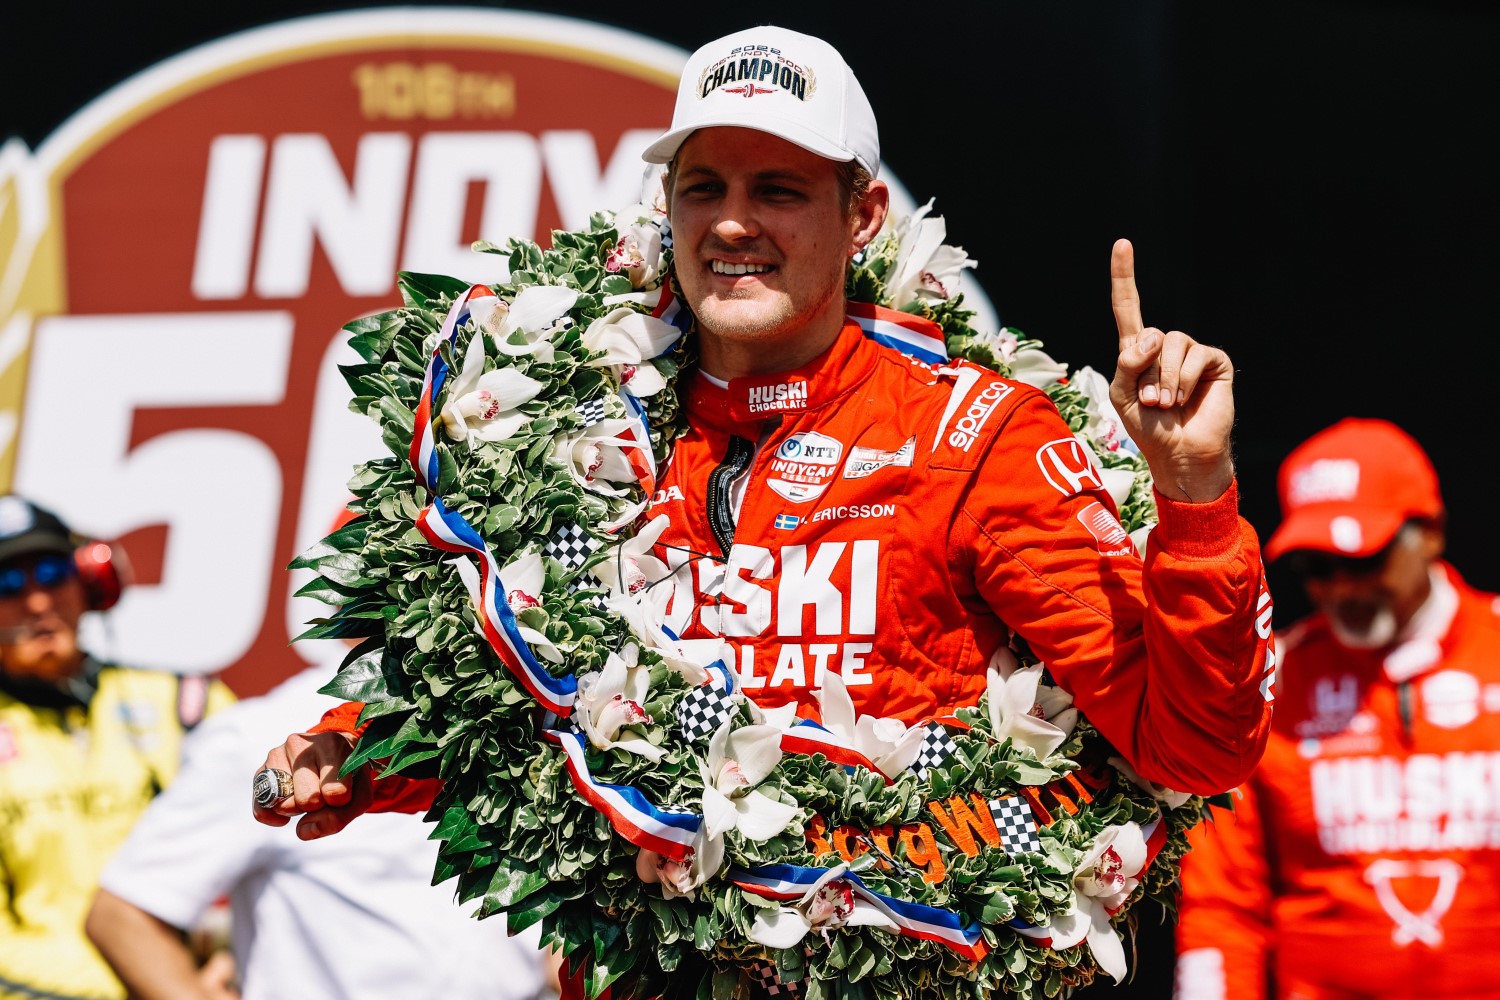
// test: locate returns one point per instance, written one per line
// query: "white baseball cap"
(779, 81)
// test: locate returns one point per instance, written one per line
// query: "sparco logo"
(966, 432)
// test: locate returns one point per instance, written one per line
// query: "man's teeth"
(724, 267)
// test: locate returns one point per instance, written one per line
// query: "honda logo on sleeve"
(1069, 466)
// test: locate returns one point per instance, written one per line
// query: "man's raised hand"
(1175, 395)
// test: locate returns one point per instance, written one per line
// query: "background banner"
(179, 256)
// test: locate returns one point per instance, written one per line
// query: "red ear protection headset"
(104, 572)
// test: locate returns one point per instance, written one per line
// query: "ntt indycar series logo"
(804, 465)
(752, 70)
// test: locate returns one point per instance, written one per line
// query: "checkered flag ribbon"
(592, 412)
(587, 594)
(571, 546)
(1017, 825)
(937, 749)
(702, 711)
(766, 981)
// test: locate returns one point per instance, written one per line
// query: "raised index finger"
(1123, 297)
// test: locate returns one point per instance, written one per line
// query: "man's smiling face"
(762, 231)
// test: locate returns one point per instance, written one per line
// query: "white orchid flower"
(610, 700)
(636, 253)
(645, 613)
(691, 658)
(596, 456)
(1035, 367)
(627, 340)
(650, 205)
(653, 196)
(1138, 538)
(1102, 882)
(630, 566)
(737, 761)
(647, 299)
(782, 717)
(489, 314)
(1023, 710)
(1105, 425)
(926, 267)
(1026, 360)
(623, 515)
(523, 578)
(627, 572)
(682, 878)
(830, 903)
(527, 325)
(483, 405)
(1166, 796)
(887, 743)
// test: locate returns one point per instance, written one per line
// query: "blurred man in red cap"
(1363, 858)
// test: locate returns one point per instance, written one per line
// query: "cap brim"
(1313, 528)
(663, 149)
(34, 543)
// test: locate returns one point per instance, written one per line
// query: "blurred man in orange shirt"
(1362, 859)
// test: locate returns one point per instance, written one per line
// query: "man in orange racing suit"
(839, 506)
(1363, 859)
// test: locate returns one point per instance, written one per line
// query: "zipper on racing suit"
(720, 489)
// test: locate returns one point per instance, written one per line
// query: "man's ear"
(869, 216)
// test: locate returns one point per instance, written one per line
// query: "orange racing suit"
(1363, 860)
(894, 521)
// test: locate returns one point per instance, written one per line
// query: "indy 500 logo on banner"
(177, 259)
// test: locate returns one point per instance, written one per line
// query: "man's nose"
(736, 218)
(37, 599)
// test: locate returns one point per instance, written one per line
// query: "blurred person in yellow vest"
(84, 747)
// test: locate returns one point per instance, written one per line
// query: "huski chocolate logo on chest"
(804, 465)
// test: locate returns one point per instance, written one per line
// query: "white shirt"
(352, 915)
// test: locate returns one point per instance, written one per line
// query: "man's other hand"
(324, 799)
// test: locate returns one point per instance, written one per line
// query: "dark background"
(1309, 185)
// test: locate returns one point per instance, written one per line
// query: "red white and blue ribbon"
(423, 452)
(669, 309)
(909, 334)
(641, 458)
(720, 676)
(930, 923)
(448, 531)
(670, 834)
(806, 736)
